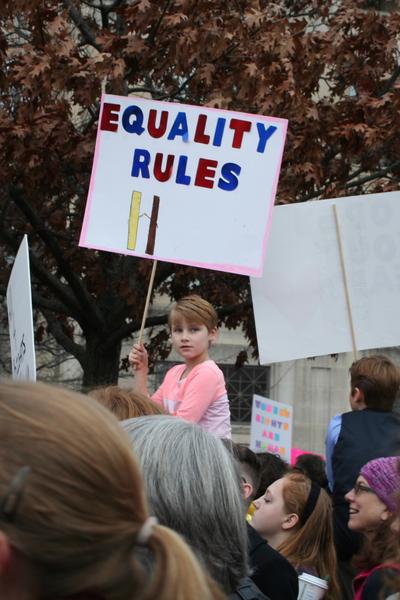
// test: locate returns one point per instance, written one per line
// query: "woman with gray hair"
(193, 486)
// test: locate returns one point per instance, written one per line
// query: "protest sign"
(300, 303)
(20, 318)
(271, 427)
(183, 184)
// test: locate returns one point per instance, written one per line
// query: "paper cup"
(311, 588)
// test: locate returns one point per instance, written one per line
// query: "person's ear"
(386, 514)
(213, 334)
(247, 489)
(357, 399)
(5, 553)
(290, 521)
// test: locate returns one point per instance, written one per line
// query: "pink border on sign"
(250, 271)
(88, 207)
(239, 270)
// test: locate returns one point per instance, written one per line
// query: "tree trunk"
(100, 368)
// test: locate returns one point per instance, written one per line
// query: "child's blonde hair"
(194, 309)
(72, 502)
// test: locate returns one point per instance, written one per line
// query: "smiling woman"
(367, 511)
(372, 512)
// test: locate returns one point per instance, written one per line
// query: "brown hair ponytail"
(77, 511)
(181, 578)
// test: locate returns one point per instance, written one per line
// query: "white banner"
(300, 302)
(20, 318)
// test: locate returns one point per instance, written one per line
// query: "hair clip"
(146, 531)
(12, 498)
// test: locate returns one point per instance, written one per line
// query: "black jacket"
(272, 573)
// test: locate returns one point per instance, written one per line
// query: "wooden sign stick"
(146, 306)
(345, 281)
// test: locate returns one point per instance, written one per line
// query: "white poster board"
(271, 427)
(20, 318)
(299, 303)
(183, 184)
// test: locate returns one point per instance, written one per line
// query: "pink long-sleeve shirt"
(200, 397)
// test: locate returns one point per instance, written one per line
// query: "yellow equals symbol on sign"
(134, 220)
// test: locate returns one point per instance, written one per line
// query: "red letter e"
(109, 117)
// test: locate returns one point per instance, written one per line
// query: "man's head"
(249, 467)
(374, 383)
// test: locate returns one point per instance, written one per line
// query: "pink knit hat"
(383, 477)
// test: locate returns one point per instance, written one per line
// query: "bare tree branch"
(372, 176)
(56, 330)
(62, 291)
(157, 25)
(118, 3)
(90, 309)
(349, 183)
(40, 302)
(81, 24)
(388, 84)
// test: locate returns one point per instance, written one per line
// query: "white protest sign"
(299, 303)
(20, 319)
(271, 427)
(183, 184)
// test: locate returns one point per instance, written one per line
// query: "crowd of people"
(116, 495)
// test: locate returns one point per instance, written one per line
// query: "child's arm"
(139, 362)
(203, 387)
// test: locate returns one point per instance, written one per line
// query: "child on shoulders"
(195, 390)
